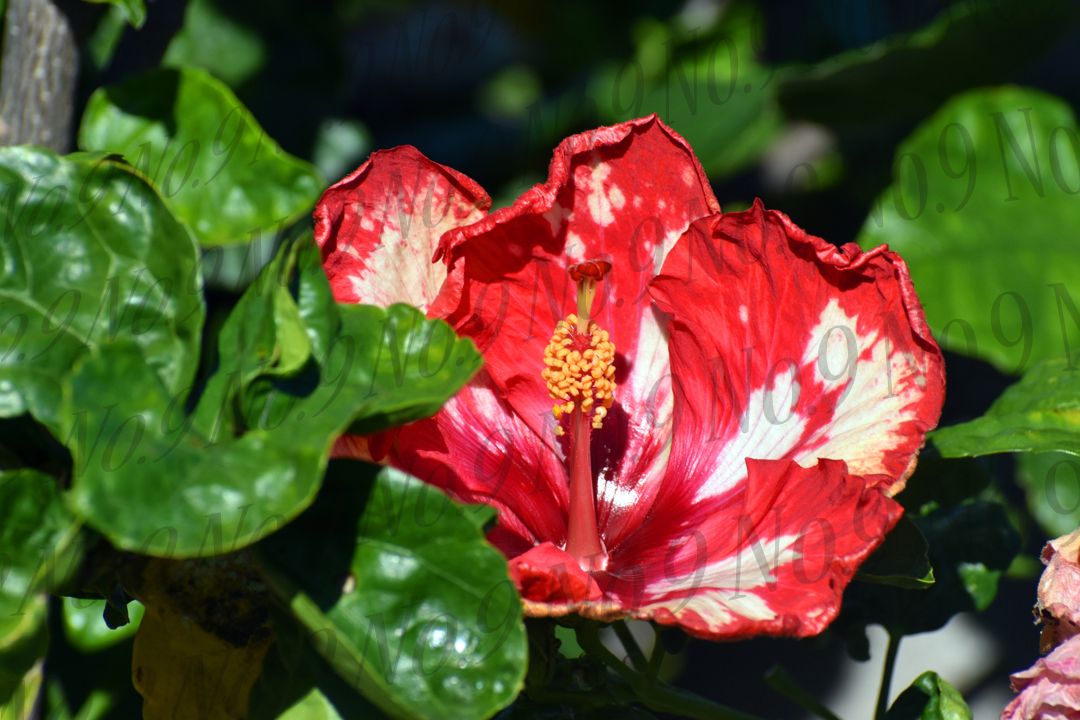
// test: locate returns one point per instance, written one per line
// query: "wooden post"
(38, 71)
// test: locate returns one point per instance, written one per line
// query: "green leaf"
(35, 556)
(22, 644)
(1038, 414)
(266, 333)
(101, 45)
(296, 683)
(982, 210)
(340, 146)
(313, 706)
(134, 10)
(216, 168)
(23, 698)
(90, 255)
(247, 460)
(929, 698)
(716, 93)
(901, 560)
(406, 600)
(1052, 482)
(212, 40)
(910, 75)
(85, 628)
(979, 582)
(969, 546)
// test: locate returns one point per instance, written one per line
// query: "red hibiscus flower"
(684, 416)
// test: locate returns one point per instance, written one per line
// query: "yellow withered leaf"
(202, 639)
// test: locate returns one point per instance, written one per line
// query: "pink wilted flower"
(685, 416)
(1059, 591)
(1049, 689)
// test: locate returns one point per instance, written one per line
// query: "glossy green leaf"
(901, 560)
(285, 314)
(158, 480)
(36, 534)
(403, 596)
(1038, 414)
(982, 209)
(969, 545)
(714, 92)
(1052, 482)
(265, 333)
(90, 255)
(85, 628)
(134, 10)
(910, 75)
(212, 40)
(296, 683)
(214, 165)
(929, 698)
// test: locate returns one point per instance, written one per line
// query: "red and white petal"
(625, 194)
(480, 452)
(772, 557)
(551, 582)
(794, 349)
(380, 226)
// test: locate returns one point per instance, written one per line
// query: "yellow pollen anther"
(580, 377)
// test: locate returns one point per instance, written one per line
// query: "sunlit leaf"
(158, 479)
(215, 167)
(90, 255)
(404, 597)
(983, 209)
(929, 698)
(1038, 414)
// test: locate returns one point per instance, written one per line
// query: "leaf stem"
(779, 680)
(588, 638)
(657, 695)
(655, 660)
(630, 644)
(665, 698)
(886, 675)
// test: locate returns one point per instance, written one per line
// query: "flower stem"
(886, 675)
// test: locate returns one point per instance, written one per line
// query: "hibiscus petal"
(480, 452)
(380, 226)
(793, 349)
(625, 194)
(773, 557)
(551, 581)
